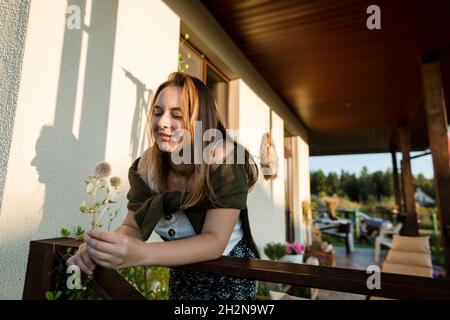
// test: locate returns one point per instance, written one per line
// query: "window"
(195, 64)
(219, 88)
(192, 61)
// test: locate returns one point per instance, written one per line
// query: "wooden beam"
(46, 262)
(38, 279)
(398, 200)
(437, 136)
(411, 227)
(397, 286)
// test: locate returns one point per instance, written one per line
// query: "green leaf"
(79, 232)
(58, 294)
(49, 295)
(84, 209)
(65, 232)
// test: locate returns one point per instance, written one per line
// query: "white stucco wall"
(301, 187)
(266, 200)
(81, 100)
(13, 27)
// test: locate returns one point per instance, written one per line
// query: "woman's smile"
(165, 137)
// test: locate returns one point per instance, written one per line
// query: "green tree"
(332, 184)
(318, 182)
(427, 185)
(362, 187)
(365, 185)
(349, 186)
(382, 184)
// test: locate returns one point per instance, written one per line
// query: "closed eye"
(177, 115)
(158, 111)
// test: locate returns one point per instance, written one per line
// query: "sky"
(373, 162)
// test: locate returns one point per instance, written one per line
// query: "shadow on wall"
(62, 160)
(144, 97)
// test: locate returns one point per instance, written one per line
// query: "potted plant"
(294, 252)
(275, 251)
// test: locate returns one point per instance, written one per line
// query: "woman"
(197, 205)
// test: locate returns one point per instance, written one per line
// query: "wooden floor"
(358, 259)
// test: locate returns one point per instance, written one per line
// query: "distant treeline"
(363, 186)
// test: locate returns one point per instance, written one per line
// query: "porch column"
(411, 227)
(398, 199)
(300, 188)
(437, 137)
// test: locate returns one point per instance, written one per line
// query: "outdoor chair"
(385, 239)
(340, 228)
(408, 256)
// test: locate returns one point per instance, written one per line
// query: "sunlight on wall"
(142, 61)
(23, 198)
(267, 197)
(278, 185)
(301, 189)
(77, 105)
(82, 71)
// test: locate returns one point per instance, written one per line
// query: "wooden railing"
(44, 256)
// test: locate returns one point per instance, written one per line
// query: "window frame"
(208, 64)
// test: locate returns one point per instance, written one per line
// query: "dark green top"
(229, 182)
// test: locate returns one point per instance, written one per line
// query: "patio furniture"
(408, 256)
(385, 239)
(327, 259)
(340, 228)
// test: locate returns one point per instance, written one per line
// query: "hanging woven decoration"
(269, 158)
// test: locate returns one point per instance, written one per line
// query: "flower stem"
(101, 214)
(95, 209)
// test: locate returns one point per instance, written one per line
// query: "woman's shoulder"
(221, 153)
(233, 164)
(143, 160)
(225, 164)
(142, 167)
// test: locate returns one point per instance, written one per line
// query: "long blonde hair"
(197, 104)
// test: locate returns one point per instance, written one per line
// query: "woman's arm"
(114, 251)
(129, 227)
(83, 257)
(208, 245)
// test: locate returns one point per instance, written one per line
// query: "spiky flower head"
(103, 169)
(115, 182)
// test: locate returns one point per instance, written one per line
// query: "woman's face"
(167, 117)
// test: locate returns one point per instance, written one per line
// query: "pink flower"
(295, 248)
(288, 249)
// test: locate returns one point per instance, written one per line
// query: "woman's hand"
(83, 260)
(114, 251)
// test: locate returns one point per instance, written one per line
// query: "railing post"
(39, 278)
(437, 122)
(411, 228)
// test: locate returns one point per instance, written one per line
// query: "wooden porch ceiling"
(350, 86)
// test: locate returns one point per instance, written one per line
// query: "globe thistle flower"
(115, 182)
(103, 169)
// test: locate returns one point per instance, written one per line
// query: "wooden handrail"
(110, 285)
(45, 255)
